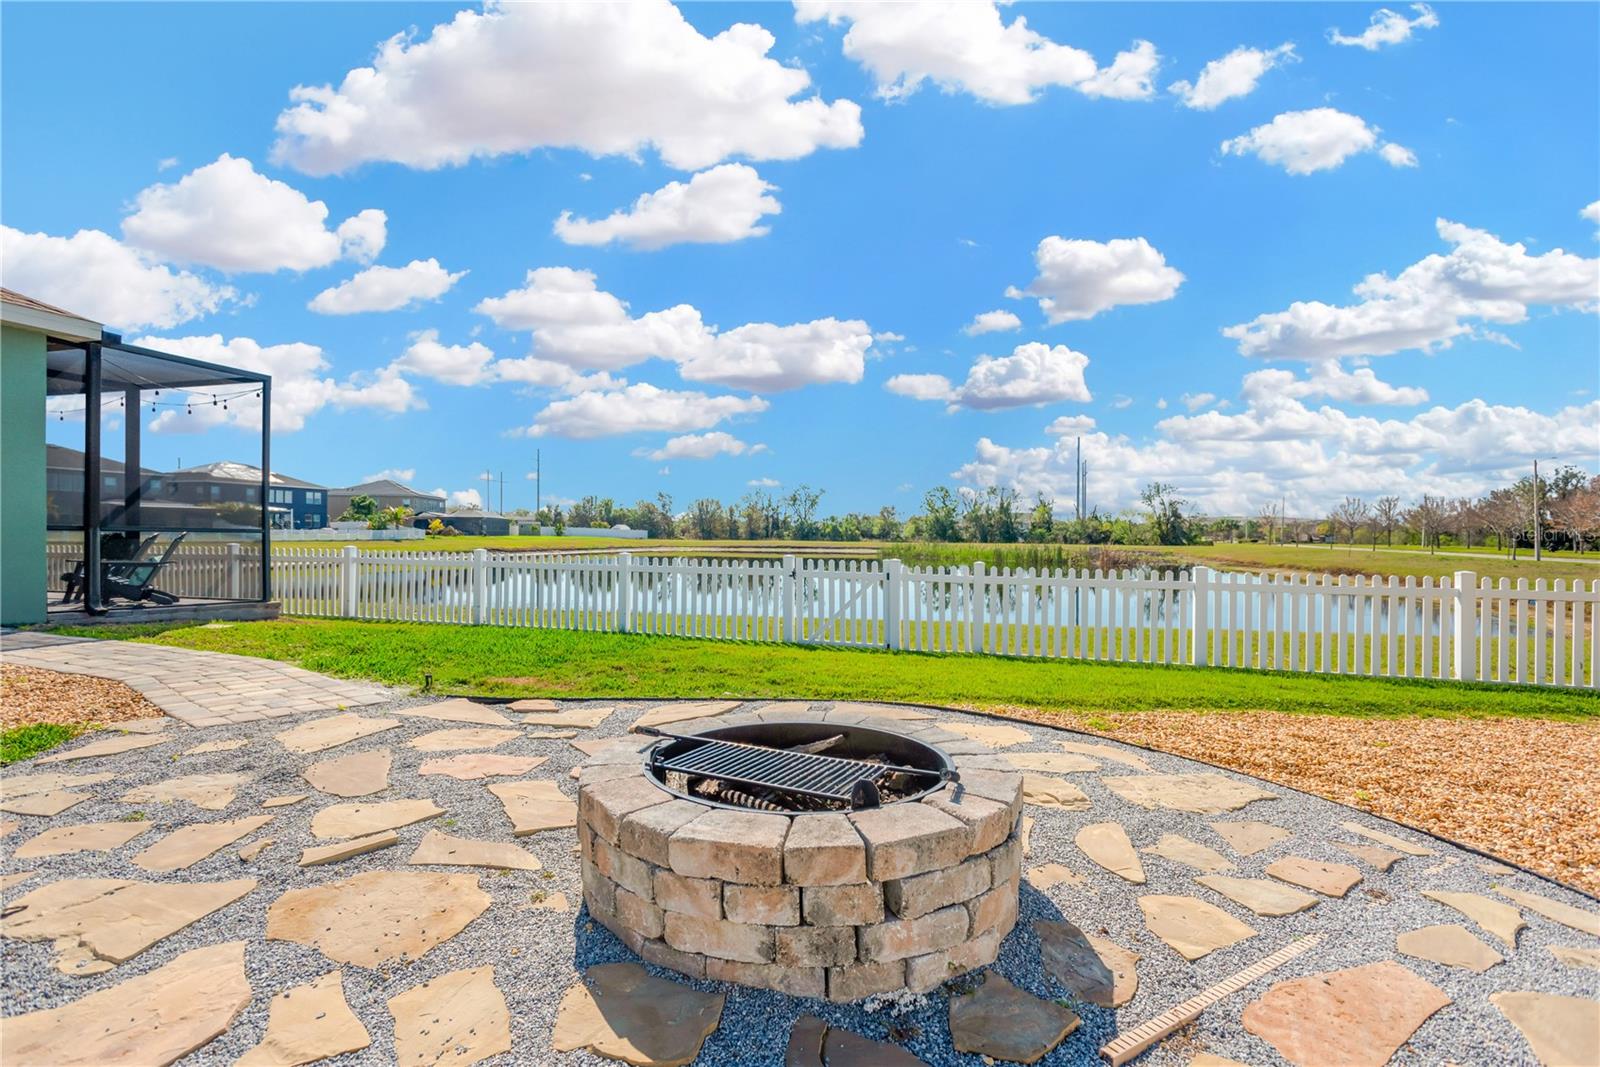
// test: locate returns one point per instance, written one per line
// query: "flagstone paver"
(442, 849)
(195, 687)
(1261, 895)
(53, 803)
(1192, 927)
(378, 916)
(284, 801)
(308, 1023)
(9, 880)
(549, 735)
(153, 1019)
(97, 922)
(456, 1018)
(535, 806)
(1561, 1031)
(1096, 969)
(813, 1043)
(1180, 849)
(355, 820)
(322, 855)
(467, 737)
(667, 714)
(111, 746)
(1451, 945)
(359, 774)
(1567, 955)
(1248, 838)
(1205, 794)
(1377, 856)
(321, 734)
(189, 845)
(1586, 922)
(215, 746)
(8, 828)
(1007, 1023)
(80, 837)
(1501, 920)
(1048, 875)
(621, 1012)
(256, 848)
(213, 792)
(459, 710)
(995, 735)
(581, 717)
(1053, 793)
(1330, 879)
(473, 766)
(1050, 762)
(1399, 844)
(1356, 1017)
(534, 704)
(21, 785)
(1107, 844)
(1109, 753)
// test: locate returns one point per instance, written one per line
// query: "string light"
(217, 399)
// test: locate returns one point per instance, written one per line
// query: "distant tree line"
(1567, 503)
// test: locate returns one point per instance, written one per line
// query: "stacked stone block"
(839, 905)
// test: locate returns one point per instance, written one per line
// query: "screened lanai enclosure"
(128, 536)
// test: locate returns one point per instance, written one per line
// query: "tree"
(802, 507)
(1268, 519)
(705, 519)
(361, 508)
(939, 521)
(1386, 516)
(390, 518)
(1428, 517)
(1167, 520)
(1505, 513)
(1576, 513)
(1042, 519)
(1350, 515)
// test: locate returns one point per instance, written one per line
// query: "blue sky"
(924, 161)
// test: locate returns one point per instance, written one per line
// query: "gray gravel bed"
(538, 953)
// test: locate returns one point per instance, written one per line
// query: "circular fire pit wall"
(742, 880)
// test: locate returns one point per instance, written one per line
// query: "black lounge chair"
(74, 577)
(132, 581)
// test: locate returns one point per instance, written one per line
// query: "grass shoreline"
(492, 661)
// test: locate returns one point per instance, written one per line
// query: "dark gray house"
(230, 487)
(388, 493)
(467, 521)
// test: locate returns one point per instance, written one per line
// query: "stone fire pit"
(836, 904)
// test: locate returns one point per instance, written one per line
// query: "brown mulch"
(30, 695)
(1526, 790)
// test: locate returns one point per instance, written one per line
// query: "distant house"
(63, 486)
(467, 521)
(293, 504)
(388, 493)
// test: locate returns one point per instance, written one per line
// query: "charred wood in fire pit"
(814, 747)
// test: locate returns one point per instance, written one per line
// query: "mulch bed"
(30, 695)
(1525, 790)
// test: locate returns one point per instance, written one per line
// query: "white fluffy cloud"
(716, 206)
(403, 475)
(300, 386)
(228, 216)
(1070, 426)
(386, 288)
(1196, 401)
(1234, 75)
(638, 408)
(1131, 75)
(1080, 279)
(576, 323)
(1033, 375)
(992, 322)
(1234, 464)
(1330, 380)
(93, 274)
(607, 79)
(465, 498)
(1388, 27)
(702, 446)
(1304, 142)
(1592, 213)
(1429, 304)
(967, 47)
(452, 364)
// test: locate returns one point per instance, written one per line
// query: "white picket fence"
(1461, 628)
(202, 570)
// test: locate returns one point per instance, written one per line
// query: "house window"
(405, 502)
(281, 496)
(312, 521)
(216, 492)
(110, 480)
(313, 496)
(251, 493)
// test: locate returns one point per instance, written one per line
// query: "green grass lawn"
(500, 661)
(22, 742)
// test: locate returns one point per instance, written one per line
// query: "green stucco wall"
(22, 488)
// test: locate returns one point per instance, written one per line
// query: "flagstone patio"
(415, 905)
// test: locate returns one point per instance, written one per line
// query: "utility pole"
(1538, 507)
(1077, 502)
(538, 487)
(502, 492)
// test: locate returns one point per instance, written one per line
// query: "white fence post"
(625, 592)
(1200, 620)
(349, 576)
(1464, 634)
(480, 586)
(790, 601)
(893, 574)
(978, 639)
(235, 565)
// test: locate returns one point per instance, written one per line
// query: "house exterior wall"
(22, 482)
(339, 500)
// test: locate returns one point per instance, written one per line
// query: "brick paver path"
(201, 688)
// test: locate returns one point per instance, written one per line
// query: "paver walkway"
(199, 688)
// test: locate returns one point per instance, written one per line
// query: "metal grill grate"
(848, 781)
